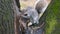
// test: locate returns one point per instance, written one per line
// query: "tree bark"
(9, 23)
(6, 17)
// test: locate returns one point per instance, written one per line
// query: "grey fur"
(32, 14)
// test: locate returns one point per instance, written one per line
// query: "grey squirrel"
(35, 13)
(39, 8)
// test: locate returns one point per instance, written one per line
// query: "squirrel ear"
(41, 5)
(38, 6)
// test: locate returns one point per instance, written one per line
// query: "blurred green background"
(53, 18)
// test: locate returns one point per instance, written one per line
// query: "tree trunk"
(8, 17)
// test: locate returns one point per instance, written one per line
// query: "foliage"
(53, 18)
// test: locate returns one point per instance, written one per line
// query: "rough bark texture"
(9, 17)
(6, 17)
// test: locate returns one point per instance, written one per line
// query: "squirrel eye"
(25, 14)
